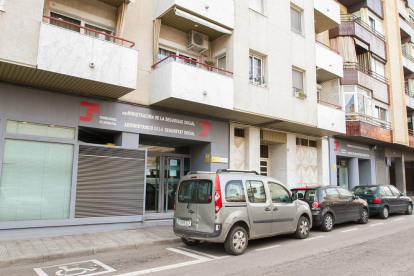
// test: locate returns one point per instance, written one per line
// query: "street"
(381, 247)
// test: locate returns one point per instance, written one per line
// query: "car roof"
(315, 187)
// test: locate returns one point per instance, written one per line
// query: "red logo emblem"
(336, 145)
(206, 128)
(92, 108)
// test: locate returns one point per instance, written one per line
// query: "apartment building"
(374, 40)
(105, 104)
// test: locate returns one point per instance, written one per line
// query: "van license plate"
(184, 222)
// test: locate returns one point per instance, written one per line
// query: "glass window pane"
(278, 193)
(186, 193)
(235, 191)
(345, 194)
(222, 65)
(100, 36)
(256, 192)
(349, 103)
(26, 128)
(296, 19)
(256, 5)
(251, 66)
(394, 190)
(332, 193)
(204, 191)
(361, 104)
(64, 25)
(36, 180)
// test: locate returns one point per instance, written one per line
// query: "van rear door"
(195, 205)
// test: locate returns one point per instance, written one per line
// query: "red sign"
(336, 145)
(92, 108)
(206, 128)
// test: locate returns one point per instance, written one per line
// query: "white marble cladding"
(331, 119)
(176, 80)
(329, 8)
(220, 11)
(329, 61)
(409, 101)
(70, 53)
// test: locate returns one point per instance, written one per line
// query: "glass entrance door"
(153, 183)
(173, 171)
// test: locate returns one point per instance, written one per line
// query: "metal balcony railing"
(408, 56)
(409, 93)
(91, 30)
(327, 47)
(360, 117)
(363, 69)
(191, 62)
(329, 104)
(353, 18)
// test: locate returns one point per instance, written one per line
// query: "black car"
(384, 199)
(332, 204)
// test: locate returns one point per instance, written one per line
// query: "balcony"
(409, 99)
(376, 6)
(327, 15)
(407, 61)
(331, 117)
(407, 30)
(328, 63)
(179, 80)
(212, 18)
(364, 126)
(411, 138)
(354, 26)
(355, 74)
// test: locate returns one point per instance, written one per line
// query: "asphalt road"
(381, 247)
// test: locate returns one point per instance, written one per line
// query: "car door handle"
(275, 209)
(190, 211)
(267, 209)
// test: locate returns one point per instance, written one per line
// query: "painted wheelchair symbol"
(76, 271)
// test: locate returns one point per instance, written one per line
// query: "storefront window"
(27, 128)
(36, 180)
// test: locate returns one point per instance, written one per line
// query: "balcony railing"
(327, 47)
(353, 18)
(406, 21)
(363, 69)
(411, 132)
(409, 93)
(193, 63)
(91, 30)
(360, 117)
(329, 104)
(408, 56)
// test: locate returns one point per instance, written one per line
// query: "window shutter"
(296, 19)
(297, 79)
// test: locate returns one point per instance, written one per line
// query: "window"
(264, 160)
(100, 36)
(163, 53)
(195, 191)
(372, 22)
(64, 25)
(235, 191)
(257, 5)
(239, 132)
(221, 63)
(378, 67)
(278, 193)
(256, 191)
(256, 70)
(394, 190)
(264, 151)
(27, 128)
(304, 194)
(386, 191)
(2, 5)
(406, 85)
(297, 83)
(349, 103)
(312, 144)
(332, 193)
(296, 20)
(345, 194)
(186, 61)
(364, 101)
(36, 180)
(365, 190)
(381, 113)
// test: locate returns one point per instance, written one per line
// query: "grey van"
(232, 207)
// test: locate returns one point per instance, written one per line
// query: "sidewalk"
(47, 249)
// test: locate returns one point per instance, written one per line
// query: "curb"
(80, 252)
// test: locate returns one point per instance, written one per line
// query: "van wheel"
(190, 242)
(327, 223)
(384, 214)
(302, 230)
(409, 210)
(364, 217)
(236, 241)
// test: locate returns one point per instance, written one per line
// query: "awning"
(201, 21)
(361, 44)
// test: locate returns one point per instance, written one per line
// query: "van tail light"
(217, 195)
(316, 205)
(377, 199)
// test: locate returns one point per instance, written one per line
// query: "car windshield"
(365, 190)
(305, 194)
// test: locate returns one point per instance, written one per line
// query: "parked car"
(384, 199)
(233, 207)
(332, 205)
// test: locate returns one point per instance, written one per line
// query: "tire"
(364, 217)
(190, 242)
(327, 223)
(385, 213)
(409, 210)
(302, 229)
(236, 241)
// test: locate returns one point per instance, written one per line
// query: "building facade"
(105, 104)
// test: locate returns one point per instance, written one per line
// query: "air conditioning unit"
(197, 42)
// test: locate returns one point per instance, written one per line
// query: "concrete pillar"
(400, 174)
(252, 136)
(353, 173)
(323, 162)
(231, 147)
(127, 140)
(278, 162)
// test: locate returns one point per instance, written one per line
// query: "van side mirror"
(353, 196)
(294, 197)
(402, 194)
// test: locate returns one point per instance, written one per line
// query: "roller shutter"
(110, 182)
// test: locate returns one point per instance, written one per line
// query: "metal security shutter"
(110, 182)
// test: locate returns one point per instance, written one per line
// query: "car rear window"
(305, 194)
(235, 191)
(195, 191)
(365, 190)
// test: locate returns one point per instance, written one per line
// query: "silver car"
(232, 207)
